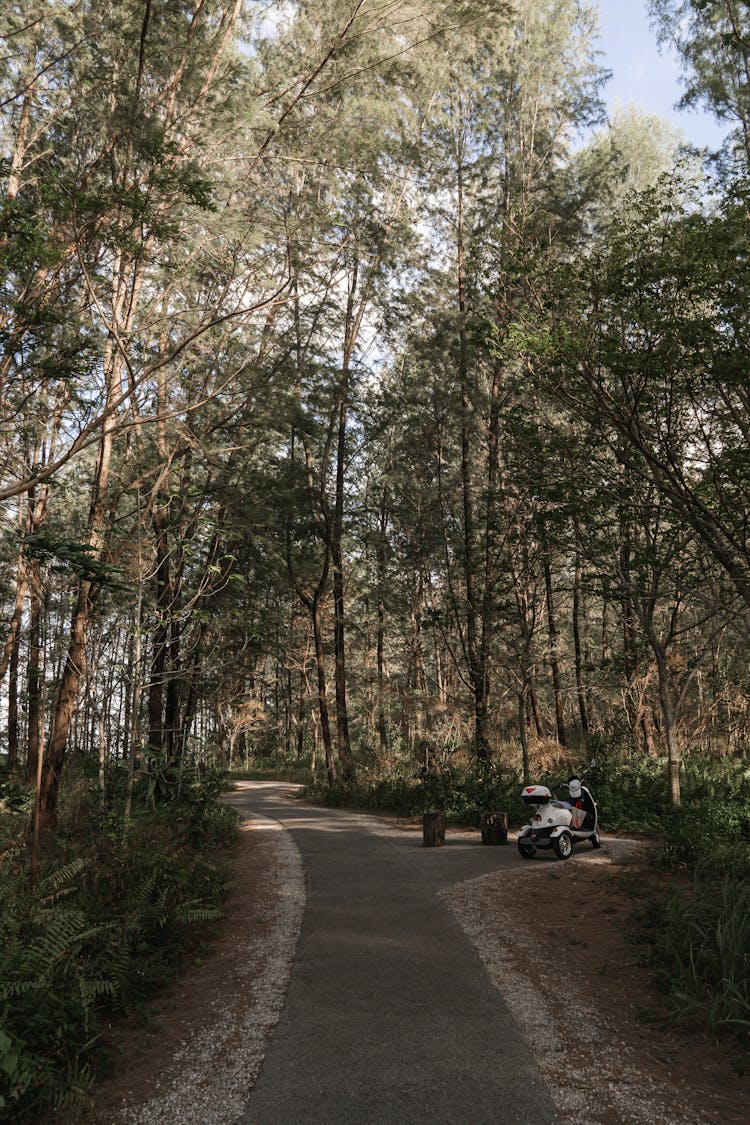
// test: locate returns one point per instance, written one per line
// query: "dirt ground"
(594, 943)
(590, 940)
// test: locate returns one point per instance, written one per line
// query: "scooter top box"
(536, 795)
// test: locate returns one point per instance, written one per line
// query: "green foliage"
(105, 926)
(14, 797)
(631, 792)
(70, 554)
(49, 985)
(278, 767)
(713, 825)
(700, 946)
(698, 936)
(463, 795)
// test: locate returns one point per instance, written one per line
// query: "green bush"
(700, 946)
(115, 910)
(278, 767)
(50, 982)
(14, 796)
(631, 793)
(463, 795)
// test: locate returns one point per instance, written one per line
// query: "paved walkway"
(390, 1018)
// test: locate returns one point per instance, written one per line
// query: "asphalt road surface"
(390, 1017)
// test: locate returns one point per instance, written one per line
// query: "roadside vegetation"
(115, 910)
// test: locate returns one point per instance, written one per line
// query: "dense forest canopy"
(364, 393)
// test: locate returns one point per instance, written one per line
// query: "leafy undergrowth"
(116, 907)
(275, 768)
(696, 937)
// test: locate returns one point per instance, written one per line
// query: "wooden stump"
(494, 827)
(433, 829)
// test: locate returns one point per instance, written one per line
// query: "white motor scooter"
(558, 824)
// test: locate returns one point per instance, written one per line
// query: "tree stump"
(433, 829)
(494, 827)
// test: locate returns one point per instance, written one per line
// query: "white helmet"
(574, 788)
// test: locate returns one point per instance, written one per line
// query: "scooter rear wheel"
(526, 850)
(563, 845)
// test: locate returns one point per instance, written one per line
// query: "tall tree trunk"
(534, 708)
(193, 679)
(173, 744)
(669, 719)
(580, 686)
(553, 653)
(67, 691)
(34, 673)
(476, 667)
(351, 328)
(161, 505)
(523, 734)
(160, 634)
(382, 721)
(482, 701)
(11, 639)
(320, 666)
(339, 633)
(75, 660)
(13, 704)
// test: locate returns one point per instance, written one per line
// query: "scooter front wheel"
(563, 845)
(596, 840)
(526, 850)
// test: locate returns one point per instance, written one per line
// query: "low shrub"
(280, 767)
(631, 793)
(463, 795)
(117, 906)
(699, 946)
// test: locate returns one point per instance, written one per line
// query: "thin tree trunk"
(72, 673)
(580, 687)
(325, 722)
(13, 704)
(477, 673)
(34, 867)
(11, 639)
(34, 673)
(534, 708)
(301, 692)
(523, 734)
(135, 705)
(172, 744)
(669, 718)
(381, 564)
(351, 325)
(75, 660)
(553, 653)
(191, 703)
(163, 582)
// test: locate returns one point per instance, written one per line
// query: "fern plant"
(47, 993)
(101, 931)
